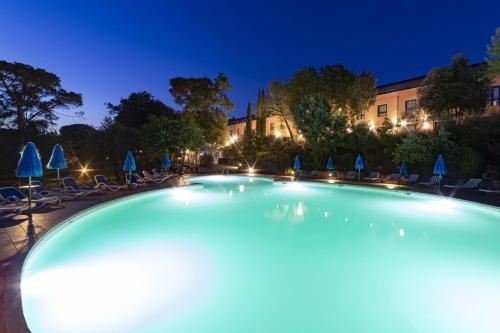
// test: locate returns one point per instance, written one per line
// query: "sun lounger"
(16, 207)
(40, 189)
(12, 195)
(411, 180)
(393, 178)
(374, 177)
(351, 175)
(103, 184)
(484, 190)
(136, 180)
(152, 179)
(71, 186)
(433, 181)
(471, 184)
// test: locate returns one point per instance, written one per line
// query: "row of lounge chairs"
(14, 202)
(413, 179)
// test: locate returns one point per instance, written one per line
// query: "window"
(271, 127)
(282, 126)
(382, 110)
(495, 95)
(410, 106)
(361, 115)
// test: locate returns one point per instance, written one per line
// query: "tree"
(31, 95)
(79, 142)
(114, 141)
(261, 115)
(278, 104)
(207, 100)
(248, 120)
(174, 135)
(347, 93)
(135, 110)
(455, 91)
(248, 149)
(322, 130)
(493, 59)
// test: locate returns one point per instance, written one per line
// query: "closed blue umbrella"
(57, 160)
(165, 162)
(296, 164)
(129, 164)
(29, 166)
(439, 168)
(359, 165)
(403, 170)
(329, 164)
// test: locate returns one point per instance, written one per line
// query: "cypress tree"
(248, 124)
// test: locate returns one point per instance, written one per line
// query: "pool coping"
(13, 317)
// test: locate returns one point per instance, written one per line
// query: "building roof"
(239, 120)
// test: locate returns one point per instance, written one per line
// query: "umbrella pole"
(58, 180)
(29, 193)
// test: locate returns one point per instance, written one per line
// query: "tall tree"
(173, 135)
(493, 59)
(278, 104)
(135, 110)
(347, 92)
(31, 95)
(207, 100)
(455, 91)
(261, 115)
(248, 120)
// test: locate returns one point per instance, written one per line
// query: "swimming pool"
(245, 254)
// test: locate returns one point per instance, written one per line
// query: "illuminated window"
(282, 126)
(495, 95)
(382, 110)
(410, 106)
(361, 115)
(271, 127)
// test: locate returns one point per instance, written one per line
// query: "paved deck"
(17, 237)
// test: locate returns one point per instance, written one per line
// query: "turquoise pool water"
(240, 254)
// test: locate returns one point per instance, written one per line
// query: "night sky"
(108, 49)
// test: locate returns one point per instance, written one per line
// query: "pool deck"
(17, 237)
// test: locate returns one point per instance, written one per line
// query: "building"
(395, 101)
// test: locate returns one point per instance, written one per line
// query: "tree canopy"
(207, 100)
(135, 110)
(347, 92)
(493, 58)
(31, 96)
(455, 91)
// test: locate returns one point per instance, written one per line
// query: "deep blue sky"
(108, 49)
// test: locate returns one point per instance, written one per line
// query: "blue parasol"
(439, 168)
(359, 165)
(129, 164)
(57, 160)
(165, 162)
(296, 163)
(403, 170)
(329, 164)
(29, 166)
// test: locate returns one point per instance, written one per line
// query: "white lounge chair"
(374, 177)
(411, 180)
(471, 184)
(103, 184)
(351, 175)
(40, 189)
(71, 186)
(433, 181)
(12, 195)
(393, 178)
